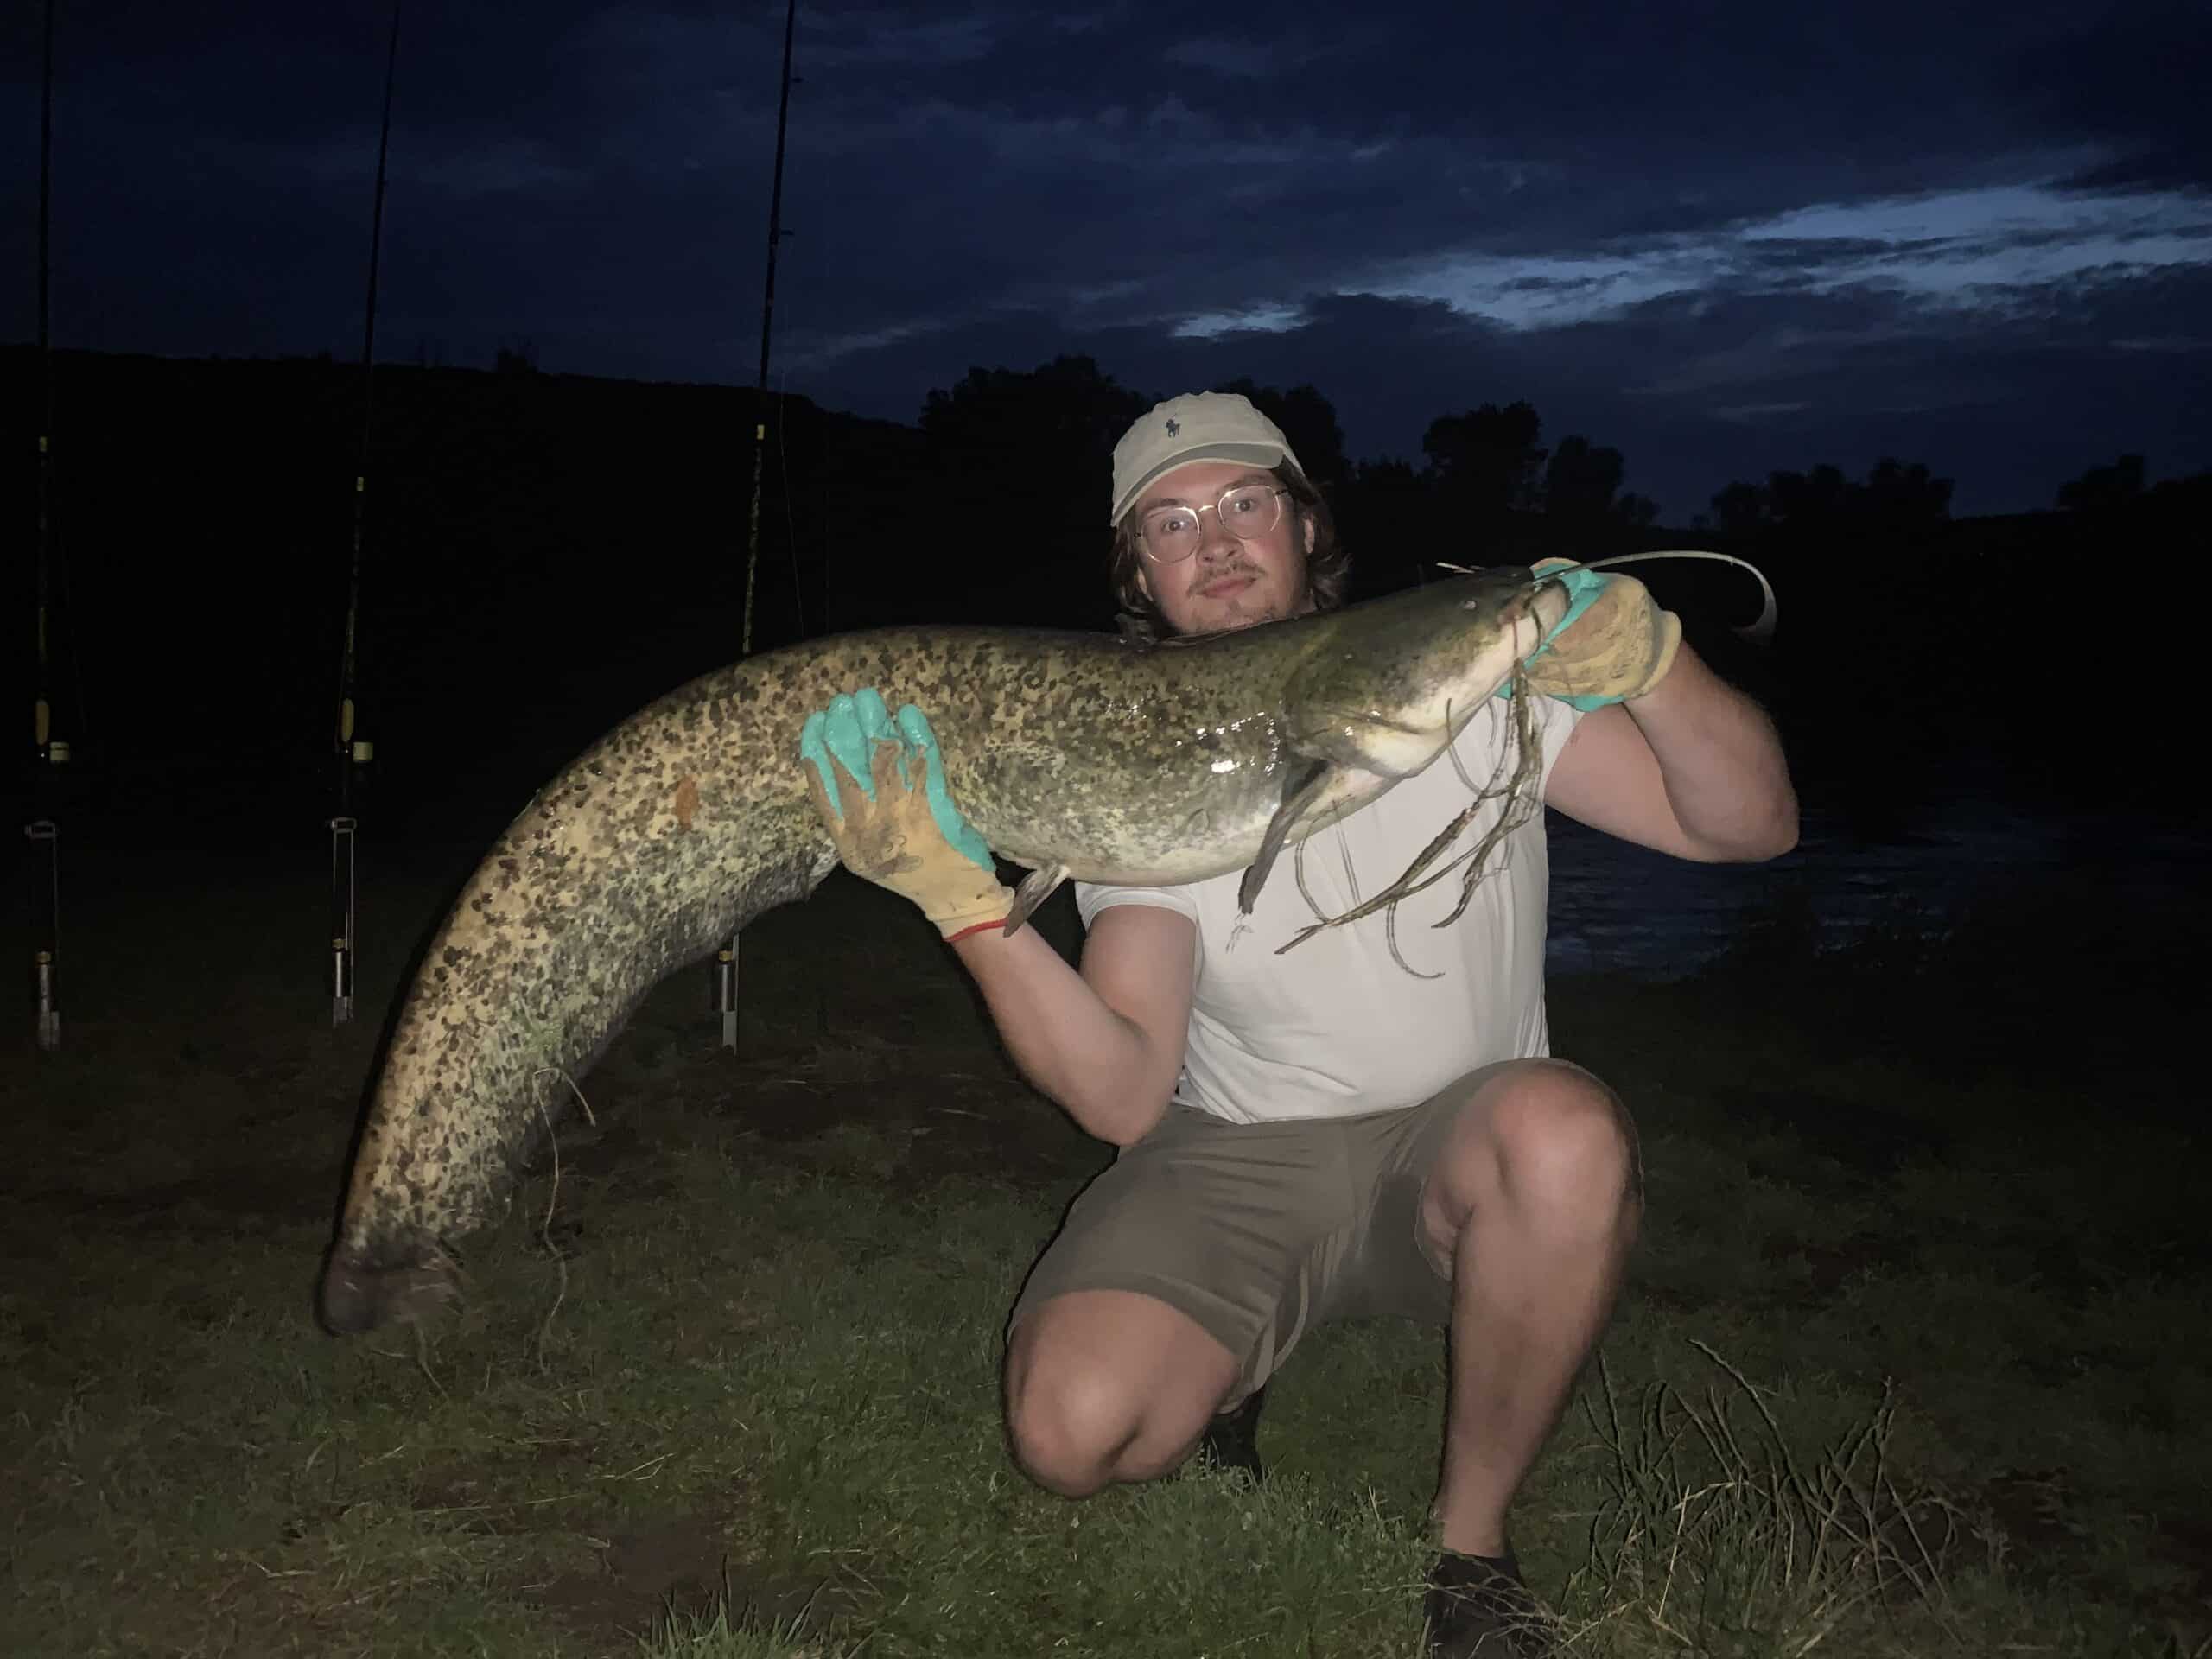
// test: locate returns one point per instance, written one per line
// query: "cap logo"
(1174, 426)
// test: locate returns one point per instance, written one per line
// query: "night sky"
(1724, 238)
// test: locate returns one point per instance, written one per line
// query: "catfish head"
(1389, 685)
(1389, 688)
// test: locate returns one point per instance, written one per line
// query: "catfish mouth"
(1547, 602)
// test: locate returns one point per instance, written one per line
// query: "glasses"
(1248, 511)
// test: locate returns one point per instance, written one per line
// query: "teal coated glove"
(1614, 642)
(916, 844)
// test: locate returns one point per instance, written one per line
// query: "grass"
(1901, 1369)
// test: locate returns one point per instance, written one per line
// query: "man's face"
(1228, 582)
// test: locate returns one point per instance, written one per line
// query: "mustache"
(1205, 575)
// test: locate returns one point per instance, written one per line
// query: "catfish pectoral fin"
(1036, 888)
(1299, 790)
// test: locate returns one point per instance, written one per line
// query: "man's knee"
(1071, 1426)
(1548, 1137)
(1109, 1386)
(1566, 1137)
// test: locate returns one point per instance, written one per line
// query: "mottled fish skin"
(1123, 763)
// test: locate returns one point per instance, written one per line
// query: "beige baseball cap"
(1197, 426)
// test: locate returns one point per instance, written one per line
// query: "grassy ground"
(1912, 1361)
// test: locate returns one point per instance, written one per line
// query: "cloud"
(2130, 80)
(1721, 241)
(1727, 384)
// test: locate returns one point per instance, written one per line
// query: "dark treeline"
(1031, 452)
(545, 552)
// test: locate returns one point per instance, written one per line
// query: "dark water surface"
(1616, 908)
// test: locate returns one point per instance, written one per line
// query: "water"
(1617, 908)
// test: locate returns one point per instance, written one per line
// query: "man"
(1322, 1133)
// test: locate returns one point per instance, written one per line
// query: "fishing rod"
(724, 999)
(355, 753)
(51, 752)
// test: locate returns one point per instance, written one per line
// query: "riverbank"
(1900, 1365)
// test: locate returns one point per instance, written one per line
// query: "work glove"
(880, 787)
(1614, 643)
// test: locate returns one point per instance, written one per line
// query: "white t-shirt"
(1335, 1027)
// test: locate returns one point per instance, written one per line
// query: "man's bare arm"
(1105, 1043)
(1693, 768)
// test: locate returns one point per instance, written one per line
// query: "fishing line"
(1758, 633)
(1519, 800)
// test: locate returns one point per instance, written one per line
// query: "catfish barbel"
(1075, 754)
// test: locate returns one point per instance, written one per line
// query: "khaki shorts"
(1260, 1232)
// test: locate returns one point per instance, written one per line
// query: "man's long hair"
(1328, 567)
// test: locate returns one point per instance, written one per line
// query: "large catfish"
(1075, 754)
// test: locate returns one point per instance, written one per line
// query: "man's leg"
(1110, 1385)
(1529, 1210)
(1179, 1279)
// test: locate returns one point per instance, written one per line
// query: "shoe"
(1477, 1608)
(1231, 1440)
